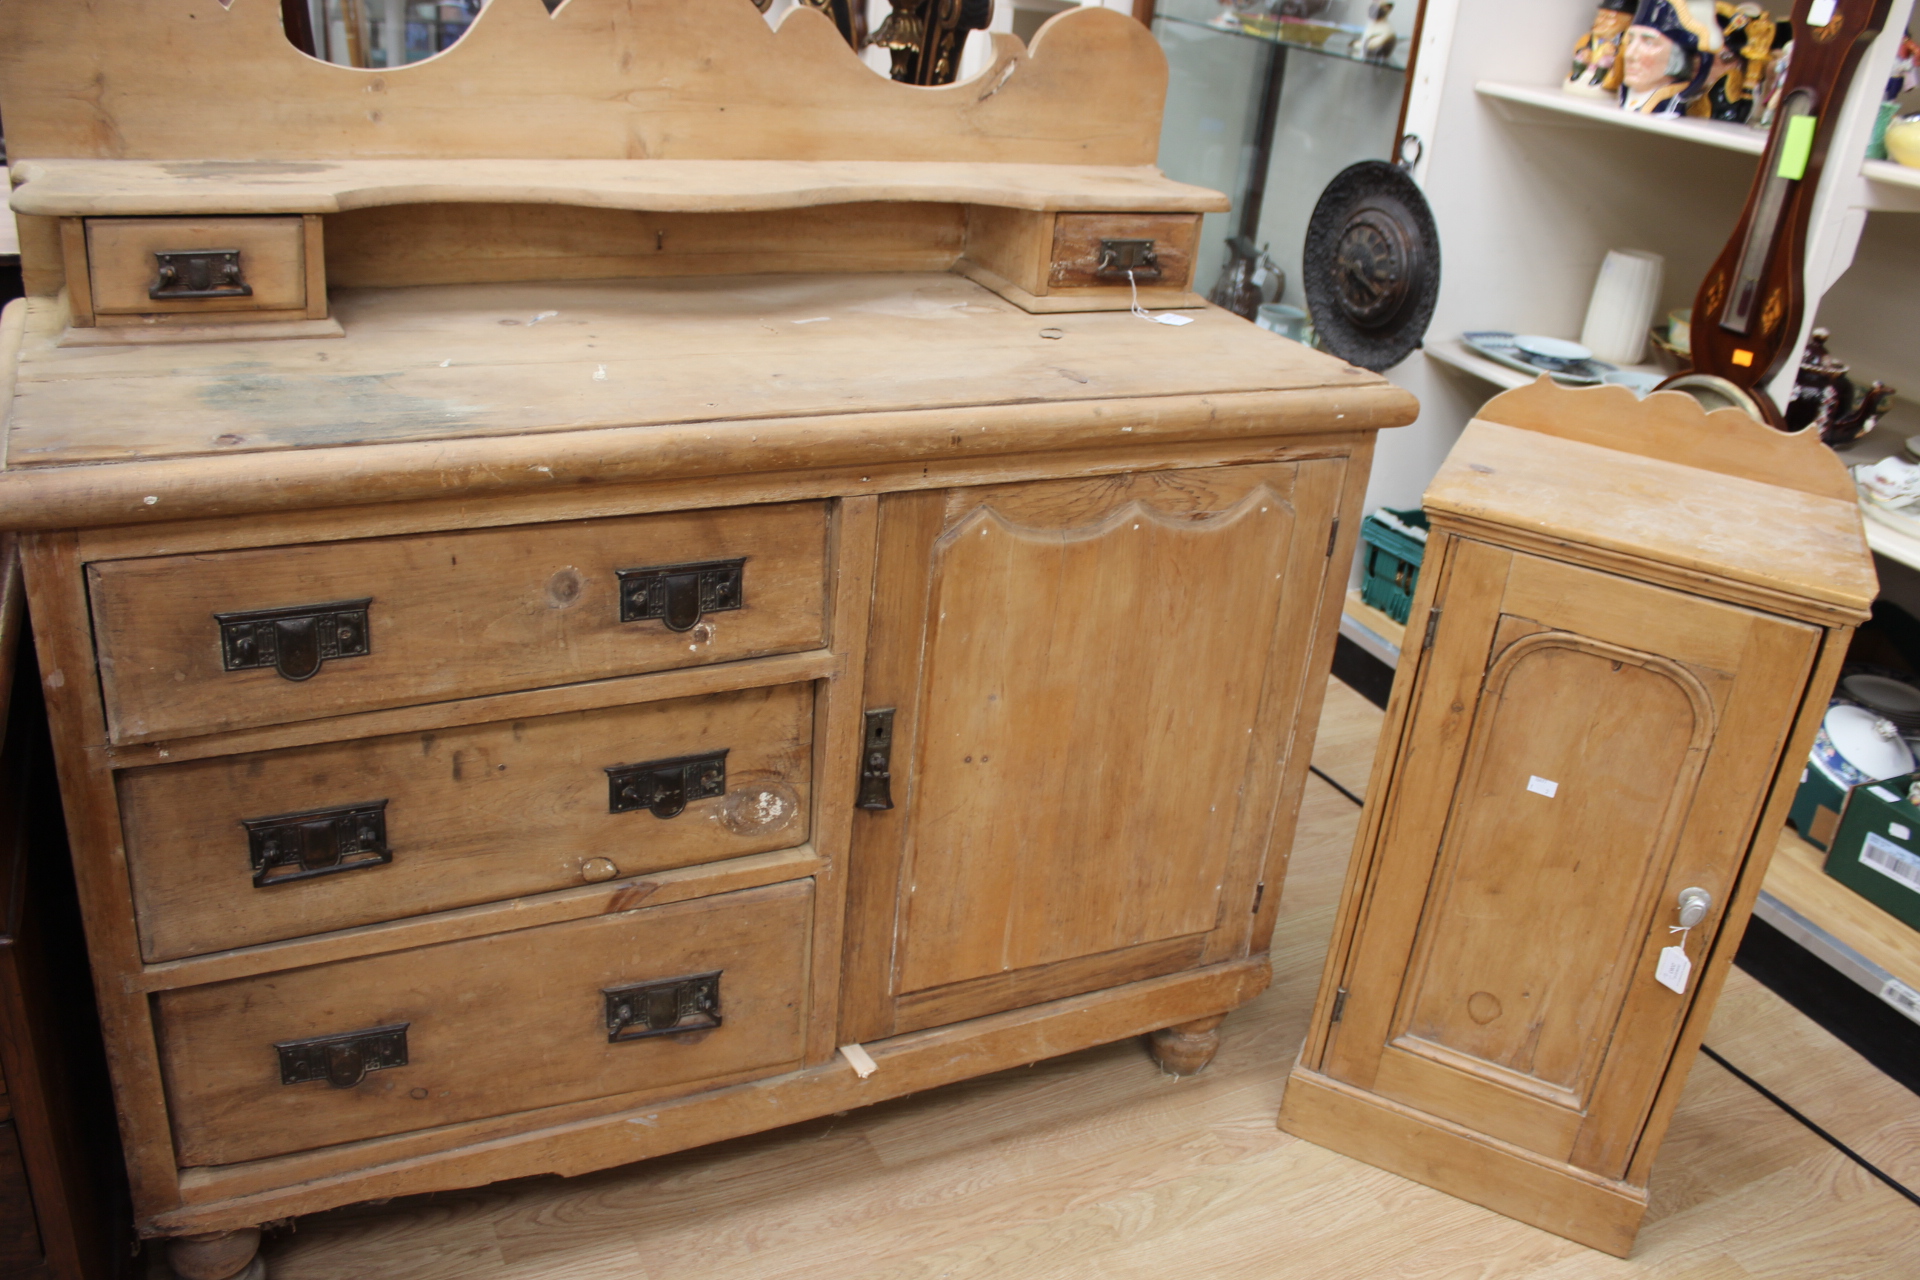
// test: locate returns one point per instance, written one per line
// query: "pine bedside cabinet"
(1629, 619)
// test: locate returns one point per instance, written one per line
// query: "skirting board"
(1549, 1194)
(1164, 299)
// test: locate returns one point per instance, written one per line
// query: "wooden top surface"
(1785, 532)
(840, 369)
(97, 188)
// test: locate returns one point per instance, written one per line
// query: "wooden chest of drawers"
(536, 729)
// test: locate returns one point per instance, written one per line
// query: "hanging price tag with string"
(1165, 317)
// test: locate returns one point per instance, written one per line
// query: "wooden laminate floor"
(1098, 1165)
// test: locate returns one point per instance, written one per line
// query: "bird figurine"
(1376, 40)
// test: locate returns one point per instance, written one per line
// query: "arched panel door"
(1097, 682)
(1590, 746)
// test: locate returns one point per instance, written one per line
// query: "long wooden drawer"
(388, 1044)
(195, 644)
(236, 850)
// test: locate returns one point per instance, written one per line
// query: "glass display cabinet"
(1269, 106)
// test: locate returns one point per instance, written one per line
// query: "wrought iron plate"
(296, 639)
(681, 594)
(670, 1006)
(1371, 268)
(318, 842)
(343, 1060)
(198, 273)
(666, 786)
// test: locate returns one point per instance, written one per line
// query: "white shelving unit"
(1603, 114)
(1531, 186)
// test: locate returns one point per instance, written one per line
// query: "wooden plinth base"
(1554, 1196)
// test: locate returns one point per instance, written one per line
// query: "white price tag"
(1821, 13)
(1674, 969)
(1167, 317)
(1542, 786)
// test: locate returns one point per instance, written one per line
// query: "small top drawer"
(1096, 250)
(196, 644)
(146, 266)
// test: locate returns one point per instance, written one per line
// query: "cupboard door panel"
(1096, 658)
(1600, 774)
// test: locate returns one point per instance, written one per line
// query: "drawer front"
(146, 266)
(488, 1026)
(20, 1246)
(200, 643)
(1081, 241)
(245, 849)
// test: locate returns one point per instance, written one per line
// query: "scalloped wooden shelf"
(126, 188)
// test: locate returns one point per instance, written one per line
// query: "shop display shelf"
(1864, 944)
(1711, 133)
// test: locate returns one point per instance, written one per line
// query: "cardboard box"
(1876, 850)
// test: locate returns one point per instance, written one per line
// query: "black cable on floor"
(1314, 769)
(1785, 1106)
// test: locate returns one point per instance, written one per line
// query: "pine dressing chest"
(1632, 613)
(576, 578)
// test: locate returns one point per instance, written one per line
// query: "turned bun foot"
(1184, 1049)
(218, 1255)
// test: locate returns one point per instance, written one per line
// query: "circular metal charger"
(1371, 269)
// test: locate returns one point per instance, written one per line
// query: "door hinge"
(1339, 1004)
(1259, 892)
(1333, 536)
(1433, 625)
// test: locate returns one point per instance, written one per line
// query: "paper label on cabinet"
(1899, 831)
(1673, 969)
(1542, 786)
(1884, 794)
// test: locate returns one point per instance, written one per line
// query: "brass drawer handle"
(665, 786)
(343, 1061)
(317, 842)
(680, 594)
(666, 1007)
(1119, 257)
(198, 273)
(294, 640)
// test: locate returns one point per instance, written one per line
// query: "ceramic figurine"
(1596, 59)
(1665, 58)
(1748, 34)
(1825, 398)
(1376, 40)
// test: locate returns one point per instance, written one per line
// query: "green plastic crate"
(1391, 567)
